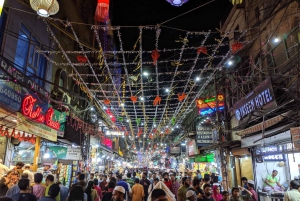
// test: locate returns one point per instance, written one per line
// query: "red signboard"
(35, 114)
(192, 148)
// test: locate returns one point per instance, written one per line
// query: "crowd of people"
(20, 184)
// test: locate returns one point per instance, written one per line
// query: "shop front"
(277, 153)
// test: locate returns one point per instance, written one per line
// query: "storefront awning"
(268, 123)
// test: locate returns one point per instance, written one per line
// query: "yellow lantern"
(45, 8)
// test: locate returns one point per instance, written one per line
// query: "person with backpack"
(151, 187)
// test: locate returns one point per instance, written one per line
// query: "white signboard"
(115, 133)
(73, 154)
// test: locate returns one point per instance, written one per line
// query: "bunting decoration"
(236, 46)
(181, 97)
(133, 99)
(138, 121)
(81, 58)
(173, 121)
(202, 49)
(106, 102)
(121, 119)
(155, 55)
(157, 101)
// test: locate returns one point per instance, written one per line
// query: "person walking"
(15, 188)
(88, 190)
(174, 185)
(63, 191)
(108, 195)
(118, 194)
(37, 189)
(183, 189)
(207, 193)
(151, 187)
(49, 183)
(24, 194)
(190, 195)
(137, 191)
(30, 174)
(145, 183)
(97, 189)
(217, 193)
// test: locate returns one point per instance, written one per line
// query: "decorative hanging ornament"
(102, 11)
(201, 49)
(177, 2)
(81, 59)
(155, 55)
(236, 46)
(234, 2)
(173, 121)
(106, 102)
(157, 101)
(45, 8)
(140, 132)
(138, 121)
(181, 97)
(133, 99)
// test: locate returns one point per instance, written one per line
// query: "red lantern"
(201, 49)
(236, 46)
(155, 55)
(102, 11)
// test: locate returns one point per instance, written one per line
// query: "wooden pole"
(36, 153)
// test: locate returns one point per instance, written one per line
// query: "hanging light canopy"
(45, 8)
(177, 2)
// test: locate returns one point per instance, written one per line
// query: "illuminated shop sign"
(114, 133)
(208, 106)
(261, 97)
(35, 113)
(271, 153)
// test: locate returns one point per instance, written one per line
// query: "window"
(27, 59)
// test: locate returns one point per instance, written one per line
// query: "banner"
(192, 148)
(64, 153)
(38, 129)
(61, 118)
(59, 152)
(295, 132)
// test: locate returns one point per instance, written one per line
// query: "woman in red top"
(167, 180)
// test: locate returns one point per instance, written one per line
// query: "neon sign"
(36, 114)
(209, 105)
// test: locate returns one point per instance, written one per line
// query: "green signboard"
(58, 152)
(205, 158)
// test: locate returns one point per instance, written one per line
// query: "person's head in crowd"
(250, 184)
(24, 176)
(155, 181)
(244, 180)
(128, 175)
(225, 195)
(111, 184)
(207, 180)
(186, 181)
(81, 177)
(46, 167)
(154, 175)
(104, 177)
(137, 181)
(77, 174)
(207, 190)
(54, 190)
(76, 193)
(118, 193)
(82, 184)
(294, 185)
(201, 182)
(19, 165)
(158, 195)
(119, 177)
(49, 179)
(24, 185)
(92, 176)
(235, 192)
(96, 182)
(134, 174)
(27, 166)
(190, 195)
(144, 175)
(196, 183)
(38, 178)
(173, 176)
(166, 176)
(113, 179)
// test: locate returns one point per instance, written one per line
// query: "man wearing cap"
(293, 194)
(118, 194)
(190, 195)
(3, 169)
(30, 174)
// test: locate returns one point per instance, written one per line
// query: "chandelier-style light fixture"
(45, 8)
(177, 2)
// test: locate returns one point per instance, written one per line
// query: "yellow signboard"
(38, 129)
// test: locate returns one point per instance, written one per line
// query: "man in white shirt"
(3, 169)
(30, 174)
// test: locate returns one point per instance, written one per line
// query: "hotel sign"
(262, 97)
